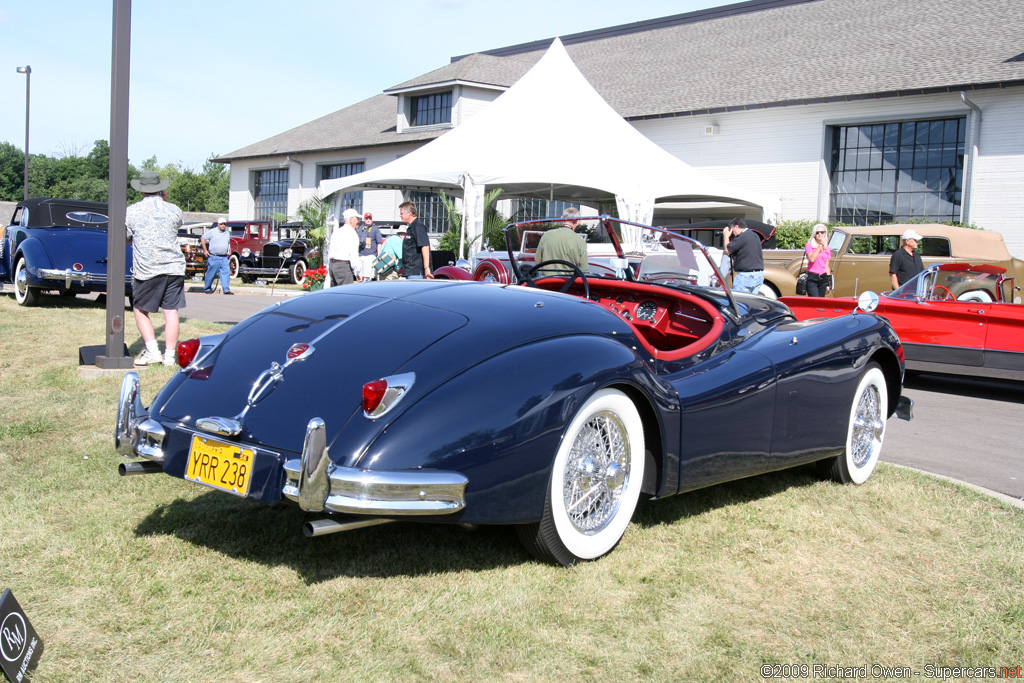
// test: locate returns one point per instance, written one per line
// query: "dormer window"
(428, 110)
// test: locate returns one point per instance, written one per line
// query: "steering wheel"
(947, 297)
(577, 273)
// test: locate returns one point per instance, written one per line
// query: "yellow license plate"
(221, 465)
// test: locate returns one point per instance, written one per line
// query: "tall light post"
(27, 70)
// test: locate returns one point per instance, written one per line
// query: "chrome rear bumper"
(312, 481)
(316, 484)
(69, 276)
(135, 434)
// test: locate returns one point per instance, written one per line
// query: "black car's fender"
(499, 422)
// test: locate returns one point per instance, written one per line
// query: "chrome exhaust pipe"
(145, 467)
(322, 527)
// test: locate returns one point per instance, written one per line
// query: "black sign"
(20, 647)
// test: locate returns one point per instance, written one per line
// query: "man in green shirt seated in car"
(563, 244)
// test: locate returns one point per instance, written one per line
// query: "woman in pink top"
(819, 274)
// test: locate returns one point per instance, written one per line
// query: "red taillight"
(373, 394)
(187, 351)
(297, 350)
(77, 267)
(900, 353)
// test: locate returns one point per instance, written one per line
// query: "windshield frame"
(921, 286)
(612, 227)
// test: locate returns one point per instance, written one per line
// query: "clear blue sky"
(214, 76)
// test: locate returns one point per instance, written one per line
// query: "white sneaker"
(148, 357)
(170, 358)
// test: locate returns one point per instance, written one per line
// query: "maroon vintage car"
(953, 318)
(247, 237)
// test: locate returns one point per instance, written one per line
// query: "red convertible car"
(953, 318)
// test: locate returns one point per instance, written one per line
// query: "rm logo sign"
(20, 647)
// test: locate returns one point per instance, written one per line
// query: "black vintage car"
(288, 257)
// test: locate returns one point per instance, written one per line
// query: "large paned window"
(426, 110)
(532, 209)
(430, 210)
(270, 193)
(892, 172)
(349, 200)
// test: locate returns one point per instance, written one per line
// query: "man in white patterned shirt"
(158, 265)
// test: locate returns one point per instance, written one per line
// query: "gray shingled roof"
(750, 55)
(365, 124)
(477, 68)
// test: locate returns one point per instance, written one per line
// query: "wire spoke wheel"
(597, 470)
(865, 433)
(594, 484)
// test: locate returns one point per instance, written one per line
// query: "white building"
(860, 111)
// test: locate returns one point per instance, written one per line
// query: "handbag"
(385, 263)
(801, 285)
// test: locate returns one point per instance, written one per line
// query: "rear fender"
(452, 273)
(35, 256)
(781, 279)
(499, 423)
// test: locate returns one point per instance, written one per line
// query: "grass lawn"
(152, 578)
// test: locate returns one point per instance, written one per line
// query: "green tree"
(219, 185)
(313, 213)
(12, 173)
(188, 190)
(98, 161)
(494, 223)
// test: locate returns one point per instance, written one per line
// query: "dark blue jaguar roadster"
(553, 403)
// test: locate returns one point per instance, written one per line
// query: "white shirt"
(344, 244)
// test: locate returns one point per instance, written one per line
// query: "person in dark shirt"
(744, 248)
(416, 247)
(906, 262)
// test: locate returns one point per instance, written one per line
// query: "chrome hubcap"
(868, 426)
(21, 282)
(596, 473)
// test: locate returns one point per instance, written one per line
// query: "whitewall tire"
(24, 294)
(594, 483)
(865, 432)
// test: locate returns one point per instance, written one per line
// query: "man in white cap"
(906, 262)
(343, 249)
(158, 266)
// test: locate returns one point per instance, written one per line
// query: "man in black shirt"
(416, 246)
(744, 248)
(906, 262)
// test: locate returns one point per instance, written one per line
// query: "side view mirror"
(867, 302)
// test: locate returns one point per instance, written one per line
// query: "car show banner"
(20, 646)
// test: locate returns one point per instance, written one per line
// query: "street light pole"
(27, 70)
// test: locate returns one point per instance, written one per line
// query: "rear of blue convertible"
(379, 402)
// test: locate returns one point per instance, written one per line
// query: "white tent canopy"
(551, 136)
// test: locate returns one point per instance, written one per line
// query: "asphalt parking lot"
(965, 429)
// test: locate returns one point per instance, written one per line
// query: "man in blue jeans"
(217, 245)
(744, 248)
